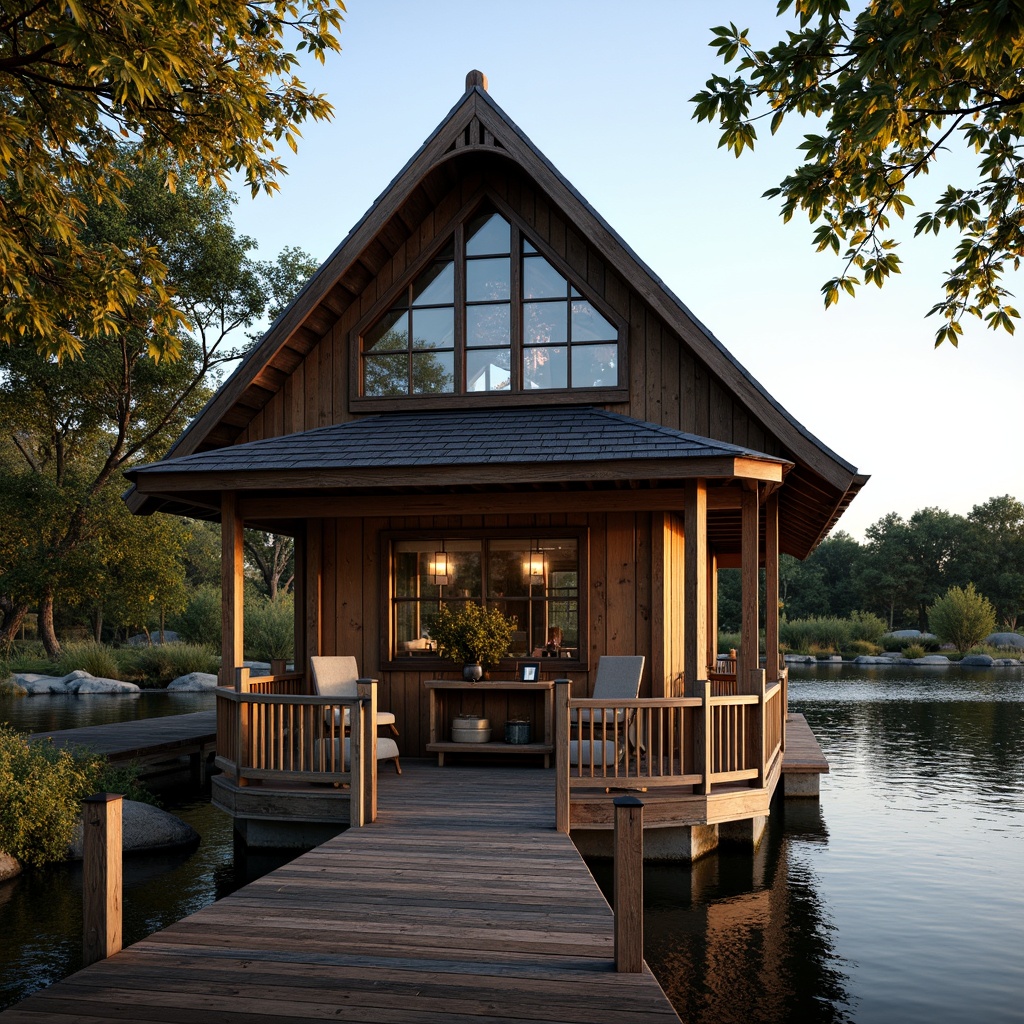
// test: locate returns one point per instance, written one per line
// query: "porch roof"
(450, 438)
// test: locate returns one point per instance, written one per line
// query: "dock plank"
(802, 754)
(460, 904)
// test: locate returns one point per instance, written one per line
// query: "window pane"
(488, 234)
(527, 247)
(593, 366)
(544, 368)
(390, 334)
(433, 328)
(385, 375)
(489, 370)
(507, 566)
(589, 325)
(435, 286)
(545, 323)
(488, 325)
(487, 279)
(433, 373)
(541, 280)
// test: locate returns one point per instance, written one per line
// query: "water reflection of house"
(484, 395)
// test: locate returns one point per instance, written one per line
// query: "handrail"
(300, 737)
(701, 742)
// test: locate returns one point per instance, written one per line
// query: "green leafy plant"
(859, 647)
(159, 664)
(89, 656)
(913, 651)
(43, 787)
(471, 633)
(962, 617)
(200, 622)
(270, 629)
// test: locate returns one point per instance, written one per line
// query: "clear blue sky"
(603, 90)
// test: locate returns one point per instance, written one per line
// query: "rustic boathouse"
(484, 395)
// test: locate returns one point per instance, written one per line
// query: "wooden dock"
(803, 763)
(461, 903)
(149, 742)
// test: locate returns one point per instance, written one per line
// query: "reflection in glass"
(433, 373)
(589, 325)
(487, 279)
(385, 375)
(433, 328)
(545, 368)
(506, 559)
(487, 235)
(593, 366)
(489, 370)
(541, 280)
(435, 286)
(390, 335)
(488, 325)
(545, 323)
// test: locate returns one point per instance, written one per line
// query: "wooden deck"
(803, 756)
(148, 741)
(461, 903)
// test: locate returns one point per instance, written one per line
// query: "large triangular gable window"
(489, 314)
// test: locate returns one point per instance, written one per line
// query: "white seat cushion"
(578, 748)
(387, 748)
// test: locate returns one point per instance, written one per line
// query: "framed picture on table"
(529, 671)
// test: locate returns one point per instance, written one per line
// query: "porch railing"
(270, 731)
(700, 742)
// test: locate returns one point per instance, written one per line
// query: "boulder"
(800, 659)
(77, 682)
(1004, 640)
(1006, 662)
(9, 867)
(977, 661)
(875, 659)
(193, 682)
(909, 634)
(145, 828)
(931, 659)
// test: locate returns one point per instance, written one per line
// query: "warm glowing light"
(440, 568)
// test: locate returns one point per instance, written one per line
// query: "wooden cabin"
(484, 395)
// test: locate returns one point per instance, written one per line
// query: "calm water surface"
(896, 898)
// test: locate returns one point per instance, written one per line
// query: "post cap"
(475, 78)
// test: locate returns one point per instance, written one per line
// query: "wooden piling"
(101, 876)
(629, 885)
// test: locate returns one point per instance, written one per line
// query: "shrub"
(161, 663)
(43, 788)
(859, 647)
(96, 659)
(913, 651)
(962, 618)
(866, 626)
(824, 634)
(200, 622)
(270, 629)
(470, 633)
(727, 642)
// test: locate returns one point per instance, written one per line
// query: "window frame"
(453, 232)
(391, 660)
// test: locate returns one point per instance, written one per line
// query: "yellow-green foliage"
(471, 633)
(913, 651)
(41, 790)
(96, 659)
(962, 618)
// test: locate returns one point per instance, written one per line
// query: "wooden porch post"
(771, 579)
(695, 593)
(313, 588)
(232, 589)
(301, 657)
(712, 610)
(749, 655)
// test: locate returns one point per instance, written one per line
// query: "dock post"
(563, 691)
(629, 885)
(101, 876)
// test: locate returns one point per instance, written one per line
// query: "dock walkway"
(147, 741)
(461, 903)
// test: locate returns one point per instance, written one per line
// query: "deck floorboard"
(461, 904)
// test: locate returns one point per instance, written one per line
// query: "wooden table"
(499, 701)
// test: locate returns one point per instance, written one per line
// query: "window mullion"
(516, 310)
(460, 308)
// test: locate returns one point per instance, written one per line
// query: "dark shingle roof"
(460, 438)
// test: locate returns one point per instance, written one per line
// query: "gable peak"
(476, 78)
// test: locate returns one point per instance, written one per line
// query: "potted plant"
(476, 636)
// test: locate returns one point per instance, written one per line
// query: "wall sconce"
(533, 567)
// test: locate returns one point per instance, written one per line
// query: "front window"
(536, 580)
(489, 314)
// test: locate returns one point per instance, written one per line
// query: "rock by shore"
(78, 682)
(193, 682)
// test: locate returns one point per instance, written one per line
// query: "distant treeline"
(903, 567)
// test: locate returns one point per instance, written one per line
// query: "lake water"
(895, 898)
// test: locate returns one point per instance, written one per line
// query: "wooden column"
(101, 876)
(629, 885)
(661, 633)
(301, 657)
(771, 580)
(314, 587)
(232, 584)
(695, 616)
(712, 610)
(750, 654)
(563, 692)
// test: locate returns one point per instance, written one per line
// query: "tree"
(895, 85)
(996, 555)
(273, 555)
(206, 85)
(75, 425)
(962, 617)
